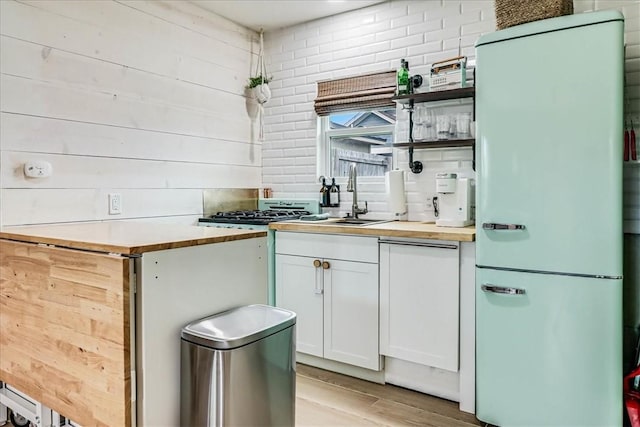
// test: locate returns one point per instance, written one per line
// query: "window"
(361, 137)
(356, 121)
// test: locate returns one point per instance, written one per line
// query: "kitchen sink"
(354, 222)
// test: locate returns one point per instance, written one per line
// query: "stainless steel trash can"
(238, 368)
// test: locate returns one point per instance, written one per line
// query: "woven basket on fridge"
(516, 12)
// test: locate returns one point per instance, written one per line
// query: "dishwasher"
(419, 301)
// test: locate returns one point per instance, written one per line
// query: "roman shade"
(356, 93)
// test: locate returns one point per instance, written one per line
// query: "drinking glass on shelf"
(417, 121)
(452, 126)
(429, 131)
(462, 125)
(443, 124)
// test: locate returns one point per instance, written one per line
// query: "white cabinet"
(299, 288)
(331, 283)
(351, 313)
(419, 301)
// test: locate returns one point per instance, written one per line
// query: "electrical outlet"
(38, 169)
(115, 203)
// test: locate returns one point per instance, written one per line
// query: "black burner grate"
(256, 217)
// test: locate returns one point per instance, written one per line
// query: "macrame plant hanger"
(261, 70)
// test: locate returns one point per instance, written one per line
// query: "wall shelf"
(444, 143)
(440, 95)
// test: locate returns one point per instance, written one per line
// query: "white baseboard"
(425, 379)
(341, 368)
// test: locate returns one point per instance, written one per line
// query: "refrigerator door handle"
(502, 290)
(497, 226)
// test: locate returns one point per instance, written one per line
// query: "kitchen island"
(90, 314)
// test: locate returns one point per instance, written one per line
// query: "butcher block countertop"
(125, 237)
(410, 229)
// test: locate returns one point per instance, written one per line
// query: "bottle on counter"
(324, 193)
(334, 194)
(403, 78)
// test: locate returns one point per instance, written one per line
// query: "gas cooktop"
(269, 210)
(255, 217)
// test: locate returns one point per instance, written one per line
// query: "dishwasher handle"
(423, 244)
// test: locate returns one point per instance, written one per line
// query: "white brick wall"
(375, 39)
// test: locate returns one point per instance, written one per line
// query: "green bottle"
(403, 78)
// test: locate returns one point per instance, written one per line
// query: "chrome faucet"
(352, 187)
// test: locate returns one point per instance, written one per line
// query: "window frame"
(323, 144)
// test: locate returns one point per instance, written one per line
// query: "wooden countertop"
(411, 229)
(125, 237)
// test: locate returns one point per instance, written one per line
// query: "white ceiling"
(270, 15)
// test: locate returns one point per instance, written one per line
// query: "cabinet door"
(351, 313)
(299, 289)
(419, 304)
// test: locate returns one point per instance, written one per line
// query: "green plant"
(257, 81)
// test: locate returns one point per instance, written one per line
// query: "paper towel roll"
(395, 192)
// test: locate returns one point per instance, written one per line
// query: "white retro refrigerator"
(549, 218)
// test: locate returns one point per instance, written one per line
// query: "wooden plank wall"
(65, 341)
(143, 98)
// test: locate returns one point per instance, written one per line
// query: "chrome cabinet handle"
(502, 290)
(497, 226)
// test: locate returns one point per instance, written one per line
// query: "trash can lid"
(239, 326)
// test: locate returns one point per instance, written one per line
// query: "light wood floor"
(328, 399)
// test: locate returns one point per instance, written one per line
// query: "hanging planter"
(260, 89)
(258, 85)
